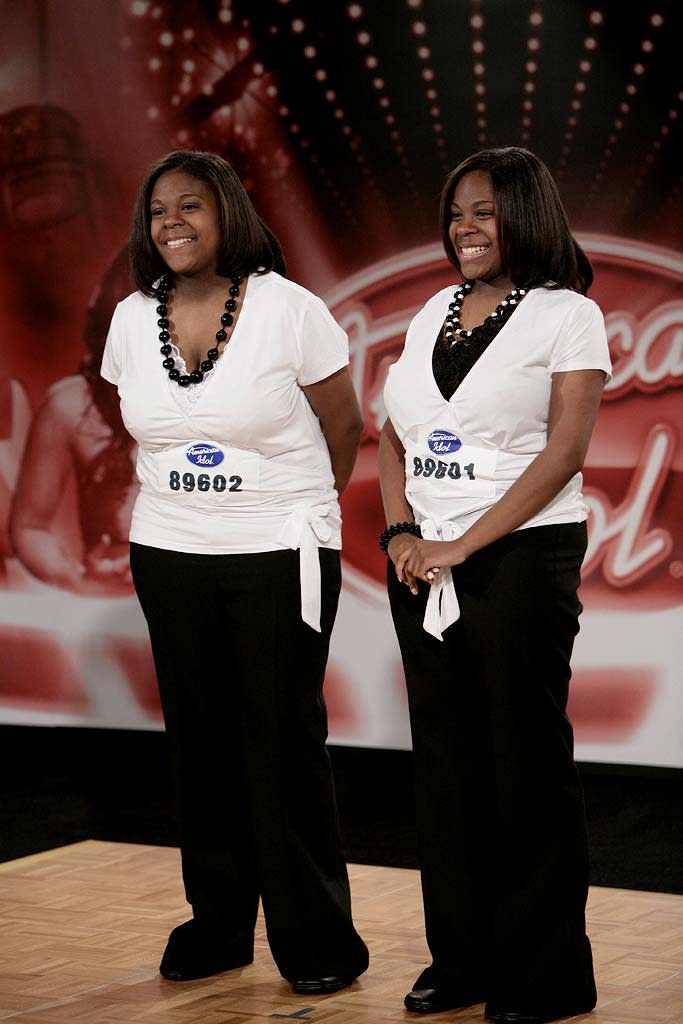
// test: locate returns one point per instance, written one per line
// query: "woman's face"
(185, 224)
(474, 229)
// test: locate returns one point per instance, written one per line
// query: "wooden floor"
(82, 929)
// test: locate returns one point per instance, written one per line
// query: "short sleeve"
(582, 341)
(112, 359)
(323, 345)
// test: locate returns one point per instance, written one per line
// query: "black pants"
(240, 677)
(501, 821)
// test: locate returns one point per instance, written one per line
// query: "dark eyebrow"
(185, 195)
(476, 203)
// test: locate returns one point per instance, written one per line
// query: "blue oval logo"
(205, 455)
(443, 442)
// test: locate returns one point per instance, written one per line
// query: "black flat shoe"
(192, 953)
(512, 1017)
(436, 1000)
(320, 986)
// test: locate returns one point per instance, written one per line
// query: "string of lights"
(638, 70)
(661, 141)
(533, 45)
(421, 33)
(378, 83)
(331, 94)
(316, 163)
(590, 46)
(479, 70)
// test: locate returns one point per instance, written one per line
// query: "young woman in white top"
(234, 383)
(491, 408)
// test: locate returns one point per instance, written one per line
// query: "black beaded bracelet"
(394, 530)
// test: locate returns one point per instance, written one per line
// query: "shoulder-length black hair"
(249, 246)
(536, 245)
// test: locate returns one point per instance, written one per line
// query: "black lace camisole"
(452, 363)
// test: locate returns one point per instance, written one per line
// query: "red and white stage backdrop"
(342, 119)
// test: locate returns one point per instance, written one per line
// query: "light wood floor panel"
(82, 929)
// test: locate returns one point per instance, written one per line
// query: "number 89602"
(203, 482)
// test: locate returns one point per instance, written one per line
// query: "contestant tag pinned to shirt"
(220, 475)
(443, 463)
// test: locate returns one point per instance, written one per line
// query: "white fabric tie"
(303, 529)
(442, 605)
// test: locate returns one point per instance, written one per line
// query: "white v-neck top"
(244, 467)
(503, 402)
(463, 454)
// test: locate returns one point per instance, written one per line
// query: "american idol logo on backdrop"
(205, 455)
(443, 442)
(626, 680)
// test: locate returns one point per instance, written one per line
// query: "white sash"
(303, 529)
(442, 604)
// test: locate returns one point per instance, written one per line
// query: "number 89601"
(440, 470)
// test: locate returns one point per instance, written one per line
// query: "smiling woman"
(247, 428)
(491, 407)
(185, 228)
(185, 224)
(473, 230)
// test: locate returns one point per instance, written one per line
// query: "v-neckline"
(188, 408)
(430, 354)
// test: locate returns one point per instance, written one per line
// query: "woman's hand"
(399, 550)
(425, 558)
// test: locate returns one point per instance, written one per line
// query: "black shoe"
(435, 1000)
(193, 952)
(512, 1017)
(320, 986)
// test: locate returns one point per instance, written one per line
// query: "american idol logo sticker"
(205, 455)
(443, 442)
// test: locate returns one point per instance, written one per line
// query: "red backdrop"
(341, 119)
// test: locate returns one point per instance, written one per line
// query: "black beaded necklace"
(453, 328)
(197, 376)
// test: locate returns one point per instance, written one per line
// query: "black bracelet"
(394, 530)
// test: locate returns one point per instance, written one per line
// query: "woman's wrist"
(461, 547)
(394, 530)
(397, 543)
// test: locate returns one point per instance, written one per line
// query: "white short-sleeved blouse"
(503, 402)
(244, 467)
